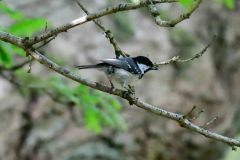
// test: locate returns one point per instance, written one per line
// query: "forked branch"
(27, 45)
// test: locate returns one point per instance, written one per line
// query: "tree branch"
(9, 38)
(26, 44)
(171, 23)
(177, 59)
(108, 33)
(183, 122)
(90, 17)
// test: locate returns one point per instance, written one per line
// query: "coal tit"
(124, 70)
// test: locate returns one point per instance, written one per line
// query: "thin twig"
(109, 34)
(30, 65)
(12, 39)
(177, 59)
(158, 111)
(15, 67)
(190, 112)
(210, 122)
(133, 100)
(46, 42)
(171, 23)
(198, 115)
(90, 17)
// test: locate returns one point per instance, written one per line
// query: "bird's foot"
(112, 86)
(130, 90)
(129, 94)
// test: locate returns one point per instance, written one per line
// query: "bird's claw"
(112, 86)
(131, 90)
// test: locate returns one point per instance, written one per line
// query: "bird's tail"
(90, 66)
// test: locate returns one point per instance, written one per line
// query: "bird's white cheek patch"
(143, 67)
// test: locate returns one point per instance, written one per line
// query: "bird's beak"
(155, 68)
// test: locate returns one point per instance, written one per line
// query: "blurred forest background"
(45, 116)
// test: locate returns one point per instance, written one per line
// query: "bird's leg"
(130, 89)
(112, 86)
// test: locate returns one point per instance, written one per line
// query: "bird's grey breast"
(123, 77)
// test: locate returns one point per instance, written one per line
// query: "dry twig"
(26, 44)
(79, 21)
(177, 59)
(109, 34)
(155, 13)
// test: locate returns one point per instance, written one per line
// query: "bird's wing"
(119, 63)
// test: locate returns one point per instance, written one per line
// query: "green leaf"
(5, 57)
(116, 104)
(13, 14)
(230, 4)
(187, 3)
(18, 51)
(99, 109)
(92, 121)
(22, 27)
(27, 27)
(61, 87)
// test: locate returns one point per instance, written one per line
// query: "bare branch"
(190, 112)
(184, 122)
(171, 23)
(158, 111)
(210, 122)
(30, 65)
(108, 33)
(90, 17)
(9, 38)
(177, 59)
(45, 42)
(198, 115)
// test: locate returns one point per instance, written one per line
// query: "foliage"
(189, 3)
(98, 108)
(232, 155)
(229, 3)
(22, 26)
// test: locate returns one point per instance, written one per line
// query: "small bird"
(124, 70)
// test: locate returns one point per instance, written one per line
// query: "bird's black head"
(143, 60)
(145, 63)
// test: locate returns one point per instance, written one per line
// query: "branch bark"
(26, 44)
(91, 17)
(182, 121)
(109, 34)
(155, 13)
(177, 59)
